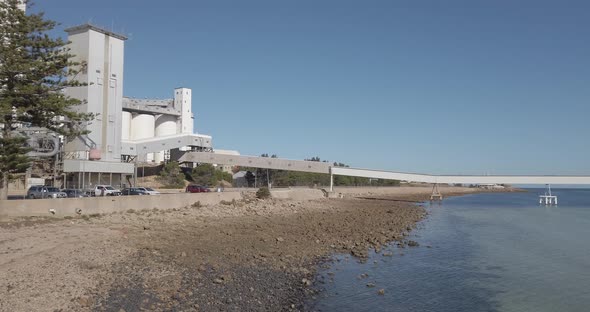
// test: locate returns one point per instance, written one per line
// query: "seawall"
(94, 205)
(100, 205)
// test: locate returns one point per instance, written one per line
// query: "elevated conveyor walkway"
(256, 162)
(321, 167)
(462, 179)
(157, 144)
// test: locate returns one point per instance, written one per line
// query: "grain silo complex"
(126, 131)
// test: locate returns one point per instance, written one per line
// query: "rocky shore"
(248, 255)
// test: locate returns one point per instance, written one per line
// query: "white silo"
(102, 51)
(126, 126)
(165, 125)
(183, 102)
(143, 127)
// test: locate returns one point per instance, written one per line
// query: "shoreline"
(247, 255)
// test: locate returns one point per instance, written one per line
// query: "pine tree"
(34, 71)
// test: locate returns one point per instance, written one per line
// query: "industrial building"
(125, 131)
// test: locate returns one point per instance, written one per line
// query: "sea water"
(482, 252)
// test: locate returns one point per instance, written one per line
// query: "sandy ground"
(250, 255)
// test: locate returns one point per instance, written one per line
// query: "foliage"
(263, 193)
(338, 164)
(12, 156)
(34, 71)
(171, 176)
(207, 174)
(250, 178)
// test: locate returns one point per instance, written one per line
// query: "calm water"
(489, 252)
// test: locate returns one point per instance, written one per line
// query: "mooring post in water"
(548, 199)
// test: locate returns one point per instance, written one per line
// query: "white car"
(149, 190)
(105, 190)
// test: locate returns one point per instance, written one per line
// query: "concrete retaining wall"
(92, 205)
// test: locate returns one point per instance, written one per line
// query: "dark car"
(74, 193)
(197, 189)
(41, 191)
(134, 191)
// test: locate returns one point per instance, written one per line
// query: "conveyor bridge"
(327, 168)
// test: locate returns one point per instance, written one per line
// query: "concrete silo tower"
(103, 53)
(183, 102)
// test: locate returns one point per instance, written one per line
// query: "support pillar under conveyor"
(331, 181)
(435, 195)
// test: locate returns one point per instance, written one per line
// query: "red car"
(197, 189)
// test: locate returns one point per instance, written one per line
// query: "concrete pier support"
(436, 195)
(331, 182)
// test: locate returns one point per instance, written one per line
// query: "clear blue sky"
(471, 87)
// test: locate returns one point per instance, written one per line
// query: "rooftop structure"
(80, 29)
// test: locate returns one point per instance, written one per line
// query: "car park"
(75, 193)
(133, 191)
(41, 191)
(196, 189)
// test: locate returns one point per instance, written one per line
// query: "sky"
(442, 87)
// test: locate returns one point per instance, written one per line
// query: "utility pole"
(135, 172)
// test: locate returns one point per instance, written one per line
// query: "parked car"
(75, 193)
(197, 189)
(133, 191)
(41, 191)
(149, 190)
(105, 190)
